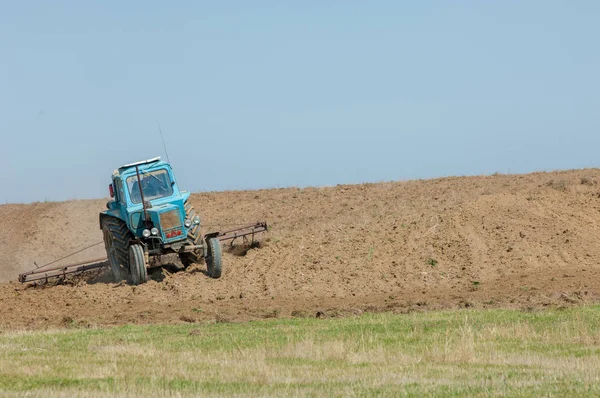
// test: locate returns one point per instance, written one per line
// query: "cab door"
(121, 200)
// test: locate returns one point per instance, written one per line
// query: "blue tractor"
(149, 216)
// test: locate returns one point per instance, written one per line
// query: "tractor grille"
(170, 219)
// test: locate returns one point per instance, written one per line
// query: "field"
(458, 353)
(481, 285)
(502, 241)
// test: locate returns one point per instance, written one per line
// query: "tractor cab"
(146, 197)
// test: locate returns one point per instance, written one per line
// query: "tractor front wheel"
(137, 264)
(213, 258)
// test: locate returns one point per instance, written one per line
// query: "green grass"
(460, 353)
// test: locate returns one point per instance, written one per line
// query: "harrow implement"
(246, 232)
(243, 231)
(61, 271)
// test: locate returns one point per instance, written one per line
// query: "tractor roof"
(125, 166)
(141, 162)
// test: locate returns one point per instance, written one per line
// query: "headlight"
(146, 233)
(196, 220)
(187, 223)
(154, 231)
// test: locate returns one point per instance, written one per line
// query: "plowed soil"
(521, 241)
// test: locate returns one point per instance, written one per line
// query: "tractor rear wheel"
(116, 242)
(213, 258)
(137, 264)
(194, 238)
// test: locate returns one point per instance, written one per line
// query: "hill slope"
(504, 240)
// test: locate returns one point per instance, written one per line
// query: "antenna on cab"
(163, 141)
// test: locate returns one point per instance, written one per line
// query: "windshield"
(155, 184)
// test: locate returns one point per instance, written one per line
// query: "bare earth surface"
(521, 241)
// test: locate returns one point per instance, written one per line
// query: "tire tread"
(121, 237)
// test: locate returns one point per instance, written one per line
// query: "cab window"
(155, 184)
(119, 190)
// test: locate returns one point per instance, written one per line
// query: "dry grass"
(474, 353)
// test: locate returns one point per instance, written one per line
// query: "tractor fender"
(185, 195)
(211, 235)
(107, 214)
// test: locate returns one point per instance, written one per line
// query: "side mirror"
(111, 190)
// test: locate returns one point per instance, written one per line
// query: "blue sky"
(273, 94)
